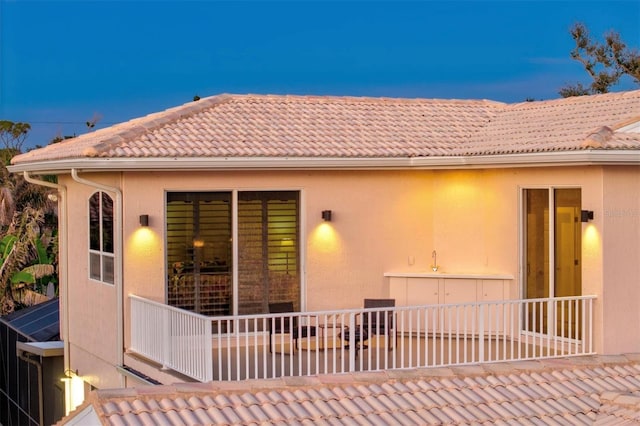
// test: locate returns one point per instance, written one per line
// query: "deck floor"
(232, 363)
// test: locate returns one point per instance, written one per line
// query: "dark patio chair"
(379, 323)
(287, 325)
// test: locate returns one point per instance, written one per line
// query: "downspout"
(62, 257)
(118, 262)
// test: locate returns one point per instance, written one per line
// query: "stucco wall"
(621, 259)
(92, 305)
(382, 221)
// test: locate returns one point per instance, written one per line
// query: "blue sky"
(64, 63)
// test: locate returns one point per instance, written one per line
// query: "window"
(101, 257)
(200, 259)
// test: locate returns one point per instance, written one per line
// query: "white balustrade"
(327, 342)
(179, 340)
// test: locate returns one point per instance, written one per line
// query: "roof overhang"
(544, 159)
(43, 349)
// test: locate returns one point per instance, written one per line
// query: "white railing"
(177, 339)
(328, 342)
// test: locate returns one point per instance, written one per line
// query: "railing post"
(352, 341)
(481, 333)
(589, 332)
(166, 338)
(208, 345)
(135, 322)
(552, 332)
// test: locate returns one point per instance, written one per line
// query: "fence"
(328, 342)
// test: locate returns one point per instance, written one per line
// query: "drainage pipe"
(63, 257)
(118, 247)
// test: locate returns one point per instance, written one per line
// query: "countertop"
(451, 275)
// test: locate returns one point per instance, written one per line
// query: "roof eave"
(544, 159)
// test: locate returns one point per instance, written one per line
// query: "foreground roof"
(595, 390)
(313, 127)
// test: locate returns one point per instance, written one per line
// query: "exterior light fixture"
(586, 215)
(326, 215)
(144, 220)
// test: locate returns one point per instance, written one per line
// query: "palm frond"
(39, 270)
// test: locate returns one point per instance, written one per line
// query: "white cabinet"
(491, 290)
(459, 290)
(495, 315)
(436, 289)
(398, 290)
(414, 291)
(423, 291)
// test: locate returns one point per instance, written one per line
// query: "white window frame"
(522, 256)
(101, 255)
(302, 223)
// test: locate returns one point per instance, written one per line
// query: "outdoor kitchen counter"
(446, 275)
(428, 287)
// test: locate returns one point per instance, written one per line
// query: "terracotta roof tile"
(593, 390)
(315, 126)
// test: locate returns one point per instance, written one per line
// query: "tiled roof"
(597, 390)
(249, 126)
(560, 125)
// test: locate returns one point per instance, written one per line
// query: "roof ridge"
(599, 97)
(363, 99)
(140, 125)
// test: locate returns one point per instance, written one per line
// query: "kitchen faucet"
(434, 255)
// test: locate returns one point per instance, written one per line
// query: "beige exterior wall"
(621, 259)
(383, 221)
(92, 333)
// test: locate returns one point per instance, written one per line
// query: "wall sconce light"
(326, 215)
(144, 220)
(586, 215)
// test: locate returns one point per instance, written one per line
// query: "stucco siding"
(382, 221)
(621, 259)
(93, 312)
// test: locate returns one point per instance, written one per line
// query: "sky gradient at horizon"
(65, 63)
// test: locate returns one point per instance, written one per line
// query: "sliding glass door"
(199, 252)
(552, 253)
(267, 250)
(202, 260)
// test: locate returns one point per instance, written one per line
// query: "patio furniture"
(286, 325)
(359, 336)
(379, 324)
(331, 334)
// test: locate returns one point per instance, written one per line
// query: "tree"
(24, 256)
(605, 62)
(28, 239)
(7, 206)
(13, 134)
